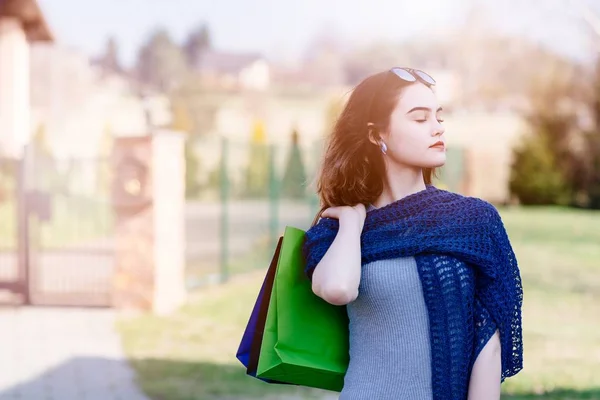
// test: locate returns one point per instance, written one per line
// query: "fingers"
(332, 212)
(336, 212)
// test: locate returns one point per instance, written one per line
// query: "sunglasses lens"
(404, 74)
(425, 77)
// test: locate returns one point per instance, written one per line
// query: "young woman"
(431, 284)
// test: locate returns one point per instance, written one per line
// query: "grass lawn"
(191, 355)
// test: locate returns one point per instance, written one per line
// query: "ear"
(373, 134)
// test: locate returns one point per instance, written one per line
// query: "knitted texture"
(468, 270)
(390, 350)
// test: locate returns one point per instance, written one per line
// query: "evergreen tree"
(197, 43)
(109, 61)
(161, 63)
(294, 177)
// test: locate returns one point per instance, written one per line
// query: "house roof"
(225, 62)
(31, 16)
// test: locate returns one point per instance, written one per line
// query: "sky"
(282, 29)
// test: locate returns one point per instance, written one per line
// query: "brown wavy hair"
(353, 169)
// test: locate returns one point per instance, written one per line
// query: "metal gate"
(13, 268)
(61, 225)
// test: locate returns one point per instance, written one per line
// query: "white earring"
(383, 148)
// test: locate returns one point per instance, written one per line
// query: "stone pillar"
(149, 198)
(14, 87)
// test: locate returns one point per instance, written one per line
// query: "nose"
(439, 130)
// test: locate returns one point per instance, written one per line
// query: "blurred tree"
(161, 63)
(593, 182)
(197, 42)
(535, 178)
(592, 145)
(294, 176)
(109, 60)
(257, 172)
(548, 165)
(587, 16)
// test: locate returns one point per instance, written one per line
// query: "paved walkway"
(62, 354)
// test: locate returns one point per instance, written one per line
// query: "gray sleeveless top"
(390, 354)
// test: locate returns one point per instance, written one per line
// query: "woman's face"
(415, 137)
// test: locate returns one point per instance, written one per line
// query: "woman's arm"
(486, 374)
(337, 276)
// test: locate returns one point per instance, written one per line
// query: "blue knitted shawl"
(468, 271)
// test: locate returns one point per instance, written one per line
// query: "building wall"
(14, 87)
(255, 76)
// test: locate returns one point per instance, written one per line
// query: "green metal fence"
(245, 196)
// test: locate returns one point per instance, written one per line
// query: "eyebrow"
(423, 109)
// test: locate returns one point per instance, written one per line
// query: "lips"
(438, 145)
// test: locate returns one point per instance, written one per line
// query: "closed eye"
(424, 120)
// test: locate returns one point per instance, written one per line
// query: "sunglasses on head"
(412, 75)
(407, 75)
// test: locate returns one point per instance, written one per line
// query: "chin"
(435, 162)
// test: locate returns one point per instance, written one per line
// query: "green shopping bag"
(305, 340)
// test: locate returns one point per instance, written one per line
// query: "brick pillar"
(148, 196)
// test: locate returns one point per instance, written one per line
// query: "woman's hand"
(348, 215)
